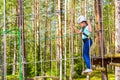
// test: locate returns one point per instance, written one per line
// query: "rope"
(41, 61)
(49, 38)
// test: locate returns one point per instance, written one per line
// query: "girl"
(86, 30)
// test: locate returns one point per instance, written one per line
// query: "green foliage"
(35, 52)
(97, 76)
(12, 77)
(78, 67)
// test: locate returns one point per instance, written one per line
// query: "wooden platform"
(105, 60)
(98, 68)
(115, 64)
(112, 55)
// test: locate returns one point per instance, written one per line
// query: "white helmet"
(81, 19)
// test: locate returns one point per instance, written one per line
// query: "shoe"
(87, 70)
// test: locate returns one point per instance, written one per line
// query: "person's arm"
(89, 26)
(76, 30)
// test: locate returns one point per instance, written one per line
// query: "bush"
(13, 77)
(78, 67)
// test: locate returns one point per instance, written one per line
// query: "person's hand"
(89, 25)
(73, 27)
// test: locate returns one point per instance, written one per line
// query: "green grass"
(97, 76)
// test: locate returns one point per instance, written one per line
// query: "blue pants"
(86, 50)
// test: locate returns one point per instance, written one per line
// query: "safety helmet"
(81, 19)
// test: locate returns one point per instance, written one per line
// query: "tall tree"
(65, 53)
(117, 42)
(15, 57)
(38, 34)
(21, 26)
(60, 35)
(4, 44)
(45, 43)
(100, 37)
(72, 41)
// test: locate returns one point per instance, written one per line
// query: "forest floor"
(97, 76)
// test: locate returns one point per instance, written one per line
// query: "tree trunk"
(21, 26)
(60, 35)
(117, 42)
(50, 48)
(65, 53)
(72, 41)
(45, 43)
(14, 60)
(4, 44)
(34, 32)
(35, 37)
(84, 7)
(38, 27)
(100, 35)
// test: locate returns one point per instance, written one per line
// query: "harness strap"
(84, 33)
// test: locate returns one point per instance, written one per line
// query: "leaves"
(34, 30)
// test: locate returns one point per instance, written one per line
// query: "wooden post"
(100, 35)
(88, 77)
(117, 35)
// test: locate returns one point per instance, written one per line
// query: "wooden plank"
(112, 55)
(98, 68)
(115, 64)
